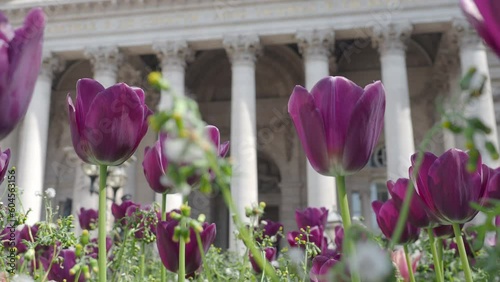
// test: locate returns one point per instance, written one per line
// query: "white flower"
(50, 193)
(370, 262)
(22, 278)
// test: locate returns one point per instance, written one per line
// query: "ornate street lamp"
(116, 180)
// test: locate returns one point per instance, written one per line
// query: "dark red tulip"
(270, 255)
(169, 250)
(321, 269)
(387, 217)
(338, 123)
(107, 125)
(447, 188)
(484, 15)
(311, 217)
(20, 60)
(88, 218)
(119, 211)
(417, 214)
(4, 163)
(61, 271)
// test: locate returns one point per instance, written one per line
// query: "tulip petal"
(153, 168)
(420, 180)
(86, 91)
(490, 31)
(80, 143)
(224, 149)
(452, 187)
(167, 248)
(310, 128)
(336, 98)
(4, 163)
(25, 58)
(213, 134)
(115, 124)
(364, 128)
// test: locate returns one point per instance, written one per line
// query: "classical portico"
(240, 61)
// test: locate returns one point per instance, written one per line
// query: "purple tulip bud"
(316, 236)
(61, 271)
(119, 211)
(214, 134)
(107, 125)
(271, 229)
(88, 218)
(338, 123)
(321, 268)
(447, 188)
(155, 166)
(169, 250)
(269, 253)
(484, 15)
(4, 163)
(492, 176)
(417, 214)
(20, 60)
(387, 217)
(311, 217)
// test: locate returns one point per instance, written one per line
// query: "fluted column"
(173, 56)
(391, 42)
(473, 54)
(316, 47)
(242, 51)
(105, 61)
(33, 139)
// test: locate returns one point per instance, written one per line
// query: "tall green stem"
(408, 264)
(182, 259)
(343, 201)
(143, 260)
(463, 253)
(435, 256)
(102, 260)
(163, 218)
(203, 259)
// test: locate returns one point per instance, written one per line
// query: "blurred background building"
(240, 59)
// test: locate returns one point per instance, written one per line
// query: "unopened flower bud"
(185, 210)
(84, 238)
(86, 272)
(78, 250)
(73, 271)
(30, 254)
(202, 218)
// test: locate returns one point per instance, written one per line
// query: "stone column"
(473, 54)
(105, 61)
(391, 42)
(316, 47)
(242, 52)
(173, 56)
(33, 137)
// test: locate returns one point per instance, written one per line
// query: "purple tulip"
(447, 188)
(169, 250)
(321, 268)
(88, 218)
(214, 134)
(387, 217)
(417, 214)
(119, 211)
(61, 271)
(484, 15)
(142, 220)
(492, 176)
(155, 166)
(311, 217)
(338, 123)
(270, 229)
(270, 254)
(107, 125)
(20, 60)
(24, 235)
(444, 231)
(316, 236)
(4, 163)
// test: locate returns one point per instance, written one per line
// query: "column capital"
(316, 43)
(392, 37)
(242, 48)
(51, 64)
(173, 54)
(462, 36)
(104, 58)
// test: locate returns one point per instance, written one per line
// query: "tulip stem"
(343, 201)
(103, 173)
(408, 263)
(463, 253)
(182, 259)
(435, 256)
(163, 218)
(143, 260)
(206, 269)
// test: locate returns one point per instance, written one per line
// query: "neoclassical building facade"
(240, 61)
